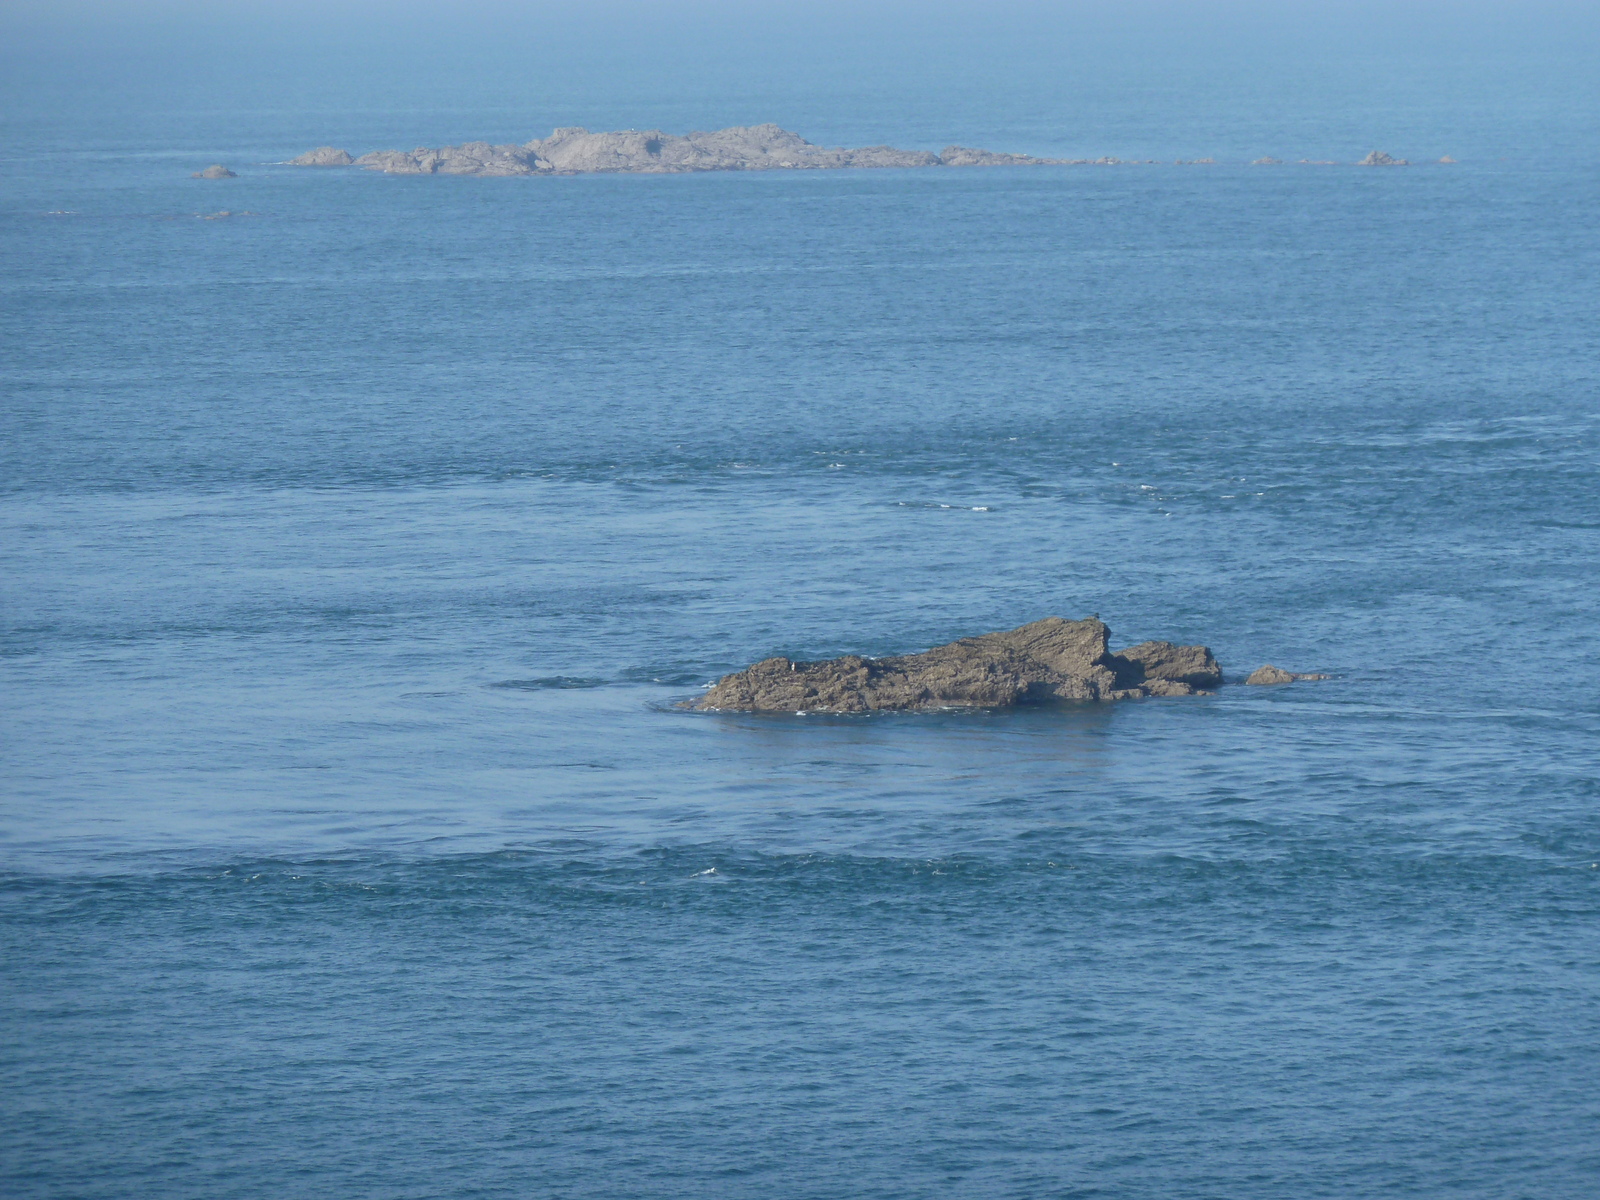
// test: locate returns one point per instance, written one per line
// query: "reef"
(214, 171)
(1041, 663)
(1270, 674)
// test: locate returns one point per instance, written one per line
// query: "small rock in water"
(1379, 159)
(214, 171)
(1270, 674)
(1048, 661)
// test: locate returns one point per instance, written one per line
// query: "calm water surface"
(354, 553)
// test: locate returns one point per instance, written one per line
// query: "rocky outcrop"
(576, 151)
(473, 158)
(740, 148)
(1045, 662)
(214, 171)
(965, 156)
(1270, 674)
(323, 156)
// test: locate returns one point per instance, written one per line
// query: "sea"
(362, 536)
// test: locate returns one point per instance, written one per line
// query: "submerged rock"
(214, 171)
(1270, 674)
(1046, 661)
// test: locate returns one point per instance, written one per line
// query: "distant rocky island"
(576, 151)
(1041, 663)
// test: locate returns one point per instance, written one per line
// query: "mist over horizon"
(1142, 79)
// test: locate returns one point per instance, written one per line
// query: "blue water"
(354, 554)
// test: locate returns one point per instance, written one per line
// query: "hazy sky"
(1341, 25)
(1310, 77)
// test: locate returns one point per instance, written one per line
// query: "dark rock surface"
(1270, 674)
(214, 171)
(1046, 661)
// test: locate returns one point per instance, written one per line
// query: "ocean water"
(357, 548)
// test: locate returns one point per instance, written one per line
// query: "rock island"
(576, 151)
(1041, 663)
